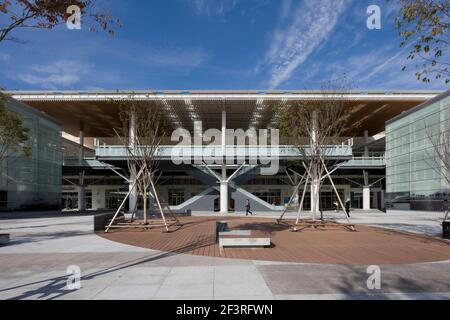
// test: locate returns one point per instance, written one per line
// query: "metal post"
(224, 182)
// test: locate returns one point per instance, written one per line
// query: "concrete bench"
(221, 226)
(4, 238)
(236, 233)
(446, 230)
(243, 238)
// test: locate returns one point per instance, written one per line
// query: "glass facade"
(413, 180)
(33, 182)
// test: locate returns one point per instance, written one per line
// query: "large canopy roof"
(99, 115)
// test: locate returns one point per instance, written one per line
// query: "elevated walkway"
(166, 152)
(364, 163)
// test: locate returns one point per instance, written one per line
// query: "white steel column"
(315, 174)
(98, 198)
(366, 187)
(223, 194)
(315, 196)
(132, 141)
(81, 145)
(366, 198)
(366, 142)
(366, 191)
(81, 192)
(81, 187)
(224, 182)
(81, 198)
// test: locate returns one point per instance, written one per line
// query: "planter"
(220, 227)
(101, 220)
(446, 230)
(4, 238)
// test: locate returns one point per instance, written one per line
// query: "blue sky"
(216, 44)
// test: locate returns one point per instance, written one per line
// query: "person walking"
(335, 206)
(247, 207)
(446, 209)
(347, 207)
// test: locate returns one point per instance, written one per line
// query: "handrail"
(237, 150)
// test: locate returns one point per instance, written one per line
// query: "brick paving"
(333, 245)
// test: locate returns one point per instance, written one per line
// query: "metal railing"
(374, 161)
(167, 152)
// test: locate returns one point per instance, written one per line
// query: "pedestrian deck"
(333, 245)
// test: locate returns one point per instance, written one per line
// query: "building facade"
(97, 177)
(414, 177)
(34, 182)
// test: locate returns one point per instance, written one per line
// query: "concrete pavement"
(34, 265)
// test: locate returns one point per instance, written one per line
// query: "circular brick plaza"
(330, 245)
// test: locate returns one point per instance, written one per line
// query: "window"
(271, 196)
(176, 197)
(3, 199)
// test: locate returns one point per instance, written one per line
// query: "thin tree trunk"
(315, 191)
(145, 206)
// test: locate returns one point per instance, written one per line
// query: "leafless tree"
(314, 126)
(439, 157)
(142, 145)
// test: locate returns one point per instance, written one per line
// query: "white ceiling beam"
(246, 97)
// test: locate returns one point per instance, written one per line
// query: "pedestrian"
(347, 207)
(446, 209)
(247, 207)
(335, 206)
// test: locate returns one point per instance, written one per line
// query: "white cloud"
(213, 7)
(60, 74)
(4, 57)
(309, 28)
(175, 57)
(379, 69)
(286, 6)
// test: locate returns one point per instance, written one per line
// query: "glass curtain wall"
(33, 182)
(413, 180)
